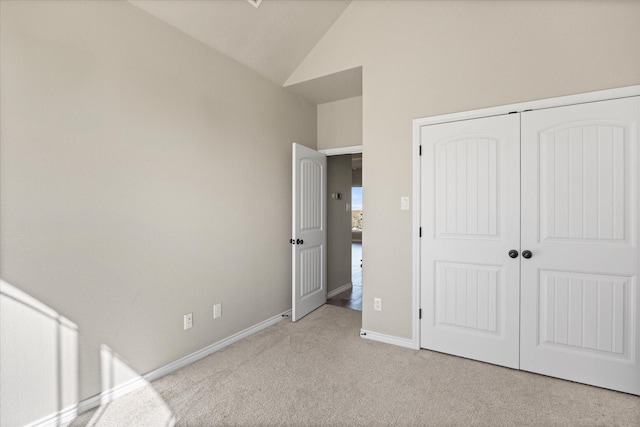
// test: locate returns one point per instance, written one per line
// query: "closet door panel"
(579, 309)
(470, 220)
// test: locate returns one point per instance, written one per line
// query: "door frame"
(560, 101)
(354, 149)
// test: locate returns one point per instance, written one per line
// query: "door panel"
(309, 231)
(580, 221)
(466, 188)
(470, 220)
(582, 182)
(468, 296)
(587, 312)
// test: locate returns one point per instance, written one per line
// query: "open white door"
(309, 233)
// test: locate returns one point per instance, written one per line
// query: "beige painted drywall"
(427, 58)
(338, 221)
(125, 201)
(340, 123)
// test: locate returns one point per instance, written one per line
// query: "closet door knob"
(513, 253)
(527, 254)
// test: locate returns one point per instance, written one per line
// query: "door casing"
(538, 108)
(299, 312)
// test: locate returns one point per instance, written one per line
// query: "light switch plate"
(404, 203)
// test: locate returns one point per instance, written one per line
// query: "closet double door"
(529, 248)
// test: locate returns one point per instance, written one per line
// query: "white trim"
(68, 414)
(560, 101)
(387, 339)
(57, 418)
(415, 274)
(340, 290)
(193, 357)
(539, 104)
(354, 149)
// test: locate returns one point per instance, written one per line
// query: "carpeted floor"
(318, 371)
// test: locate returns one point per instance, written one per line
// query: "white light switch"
(404, 203)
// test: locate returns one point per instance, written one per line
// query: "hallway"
(352, 298)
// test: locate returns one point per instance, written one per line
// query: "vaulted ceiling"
(272, 39)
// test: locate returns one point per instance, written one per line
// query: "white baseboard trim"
(387, 339)
(340, 290)
(193, 357)
(68, 414)
(58, 418)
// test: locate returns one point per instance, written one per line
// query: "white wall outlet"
(217, 310)
(404, 203)
(377, 304)
(188, 321)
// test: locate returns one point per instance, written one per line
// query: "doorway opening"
(345, 226)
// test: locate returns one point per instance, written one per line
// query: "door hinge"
(420, 150)
(420, 232)
(419, 313)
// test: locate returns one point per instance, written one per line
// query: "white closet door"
(470, 220)
(580, 220)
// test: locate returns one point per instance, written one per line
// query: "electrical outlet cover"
(188, 321)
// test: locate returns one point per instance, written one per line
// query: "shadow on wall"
(39, 372)
(38, 360)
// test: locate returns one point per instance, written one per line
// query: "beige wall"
(427, 58)
(338, 222)
(340, 123)
(124, 193)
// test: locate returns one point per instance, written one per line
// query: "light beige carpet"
(318, 371)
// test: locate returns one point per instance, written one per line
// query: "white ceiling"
(272, 39)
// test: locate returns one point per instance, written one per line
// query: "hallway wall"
(338, 222)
